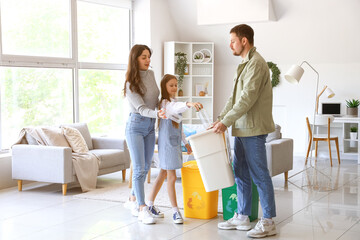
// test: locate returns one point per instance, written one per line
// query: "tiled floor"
(41, 212)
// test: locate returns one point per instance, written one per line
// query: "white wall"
(153, 25)
(141, 22)
(326, 33)
(163, 29)
(5, 172)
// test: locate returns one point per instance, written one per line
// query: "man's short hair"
(244, 30)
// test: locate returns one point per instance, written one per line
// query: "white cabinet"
(350, 147)
(199, 76)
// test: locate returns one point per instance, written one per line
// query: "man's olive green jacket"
(249, 109)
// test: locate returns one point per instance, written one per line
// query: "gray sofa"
(53, 164)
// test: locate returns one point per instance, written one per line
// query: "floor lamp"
(294, 75)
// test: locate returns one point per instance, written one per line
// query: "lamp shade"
(329, 93)
(294, 74)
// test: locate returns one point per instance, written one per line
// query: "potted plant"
(352, 107)
(181, 65)
(353, 133)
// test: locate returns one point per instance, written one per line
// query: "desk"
(349, 148)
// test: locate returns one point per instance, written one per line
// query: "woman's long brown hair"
(165, 95)
(133, 72)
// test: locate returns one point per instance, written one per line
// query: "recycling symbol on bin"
(232, 198)
(195, 202)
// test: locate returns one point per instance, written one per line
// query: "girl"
(142, 93)
(169, 142)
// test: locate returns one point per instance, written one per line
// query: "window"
(34, 97)
(101, 103)
(37, 28)
(49, 77)
(94, 25)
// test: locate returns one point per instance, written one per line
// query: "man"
(249, 112)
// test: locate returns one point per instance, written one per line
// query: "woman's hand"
(188, 148)
(198, 106)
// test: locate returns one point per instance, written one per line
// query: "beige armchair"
(54, 164)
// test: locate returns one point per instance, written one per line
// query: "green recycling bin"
(229, 200)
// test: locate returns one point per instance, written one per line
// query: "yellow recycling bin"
(197, 202)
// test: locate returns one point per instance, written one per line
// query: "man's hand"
(219, 127)
(213, 124)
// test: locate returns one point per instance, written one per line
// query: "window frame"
(73, 63)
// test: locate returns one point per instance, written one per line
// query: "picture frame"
(199, 88)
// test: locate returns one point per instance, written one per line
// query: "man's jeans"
(140, 138)
(250, 163)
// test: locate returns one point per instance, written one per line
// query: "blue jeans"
(250, 163)
(140, 138)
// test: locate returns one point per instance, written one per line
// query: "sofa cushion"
(109, 157)
(75, 139)
(274, 135)
(53, 136)
(84, 130)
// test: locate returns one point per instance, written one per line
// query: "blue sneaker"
(156, 212)
(177, 218)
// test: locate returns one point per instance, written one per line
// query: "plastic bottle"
(204, 118)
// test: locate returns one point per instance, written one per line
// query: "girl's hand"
(196, 105)
(188, 148)
(162, 113)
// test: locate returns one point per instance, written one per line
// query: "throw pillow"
(75, 139)
(54, 136)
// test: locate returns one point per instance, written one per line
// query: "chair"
(322, 137)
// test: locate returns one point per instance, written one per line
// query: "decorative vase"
(352, 111)
(180, 93)
(353, 135)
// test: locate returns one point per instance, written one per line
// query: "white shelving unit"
(200, 75)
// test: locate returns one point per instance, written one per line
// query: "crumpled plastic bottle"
(204, 118)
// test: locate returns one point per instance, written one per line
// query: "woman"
(143, 96)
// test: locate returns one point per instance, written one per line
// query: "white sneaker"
(130, 205)
(262, 229)
(135, 212)
(156, 212)
(235, 223)
(145, 216)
